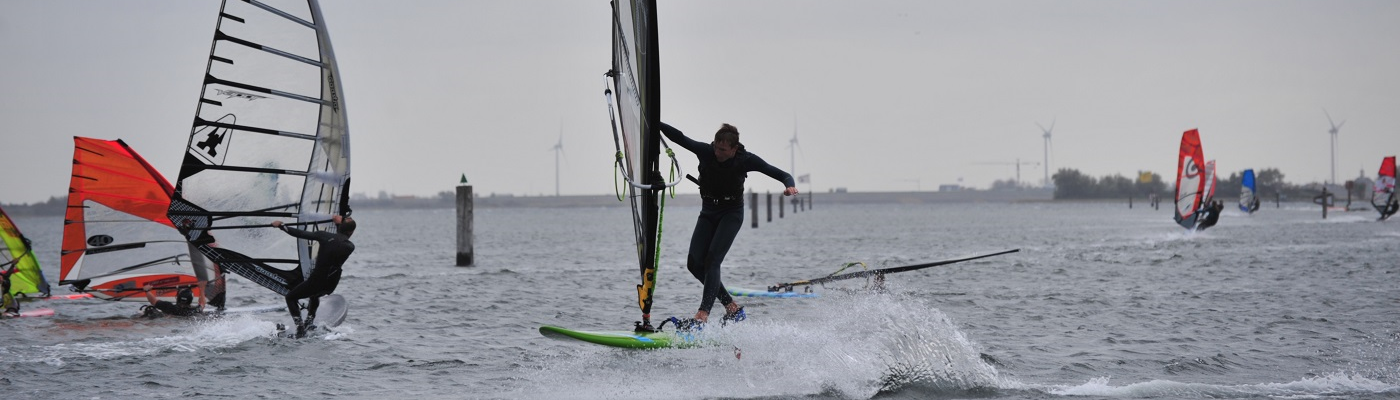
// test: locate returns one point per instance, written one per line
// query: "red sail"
(1190, 182)
(116, 236)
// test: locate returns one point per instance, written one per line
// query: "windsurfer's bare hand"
(276, 224)
(790, 191)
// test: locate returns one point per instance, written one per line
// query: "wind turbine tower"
(558, 150)
(1046, 135)
(792, 147)
(1335, 127)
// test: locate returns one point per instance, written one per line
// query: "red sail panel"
(1190, 182)
(116, 235)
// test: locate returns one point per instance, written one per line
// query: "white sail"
(270, 141)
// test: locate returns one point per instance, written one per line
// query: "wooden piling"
(770, 206)
(464, 224)
(753, 207)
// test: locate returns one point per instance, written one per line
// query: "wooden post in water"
(1130, 202)
(809, 200)
(753, 206)
(770, 206)
(464, 224)
(781, 207)
(1323, 201)
(801, 203)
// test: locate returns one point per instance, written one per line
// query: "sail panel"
(269, 142)
(1209, 184)
(16, 254)
(116, 236)
(1190, 182)
(637, 90)
(1248, 193)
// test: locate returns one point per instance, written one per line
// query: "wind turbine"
(1047, 149)
(1333, 131)
(792, 147)
(558, 150)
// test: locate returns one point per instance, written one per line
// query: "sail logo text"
(229, 94)
(335, 97)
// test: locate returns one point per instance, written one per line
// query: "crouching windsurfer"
(182, 307)
(335, 248)
(723, 166)
(1212, 215)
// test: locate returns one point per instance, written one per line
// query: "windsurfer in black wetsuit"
(182, 306)
(1212, 216)
(723, 166)
(335, 248)
(7, 300)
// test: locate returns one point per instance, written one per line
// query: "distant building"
(949, 188)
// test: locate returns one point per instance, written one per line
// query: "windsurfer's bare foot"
(702, 316)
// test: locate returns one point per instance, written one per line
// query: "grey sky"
(885, 95)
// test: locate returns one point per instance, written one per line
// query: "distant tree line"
(1072, 184)
(54, 206)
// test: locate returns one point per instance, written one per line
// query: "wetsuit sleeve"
(675, 136)
(317, 236)
(757, 164)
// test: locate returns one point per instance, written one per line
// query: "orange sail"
(116, 236)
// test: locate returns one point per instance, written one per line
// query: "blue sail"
(1249, 195)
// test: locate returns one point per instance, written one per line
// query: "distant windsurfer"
(724, 165)
(182, 306)
(335, 248)
(8, 300)
(7, 270)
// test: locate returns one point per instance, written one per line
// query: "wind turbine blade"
(1339, 126)
(1042, 127)
(1329, 118)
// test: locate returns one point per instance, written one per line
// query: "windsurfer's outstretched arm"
(773, 172)
(675, 136)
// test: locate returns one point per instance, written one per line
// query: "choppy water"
(1101, 302)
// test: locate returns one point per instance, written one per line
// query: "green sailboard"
(624, 339)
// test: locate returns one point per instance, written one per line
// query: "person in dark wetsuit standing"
(723, 166)
(335, 248)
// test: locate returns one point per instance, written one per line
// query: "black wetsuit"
(721, 216)
(335, 248)
(1212, 216)
(7, 301)
(171, 309)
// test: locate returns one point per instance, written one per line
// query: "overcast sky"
(883, 95)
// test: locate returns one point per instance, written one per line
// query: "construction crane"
(1018, 165)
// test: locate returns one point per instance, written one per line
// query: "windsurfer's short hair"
(728, 134)
(346, 227)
